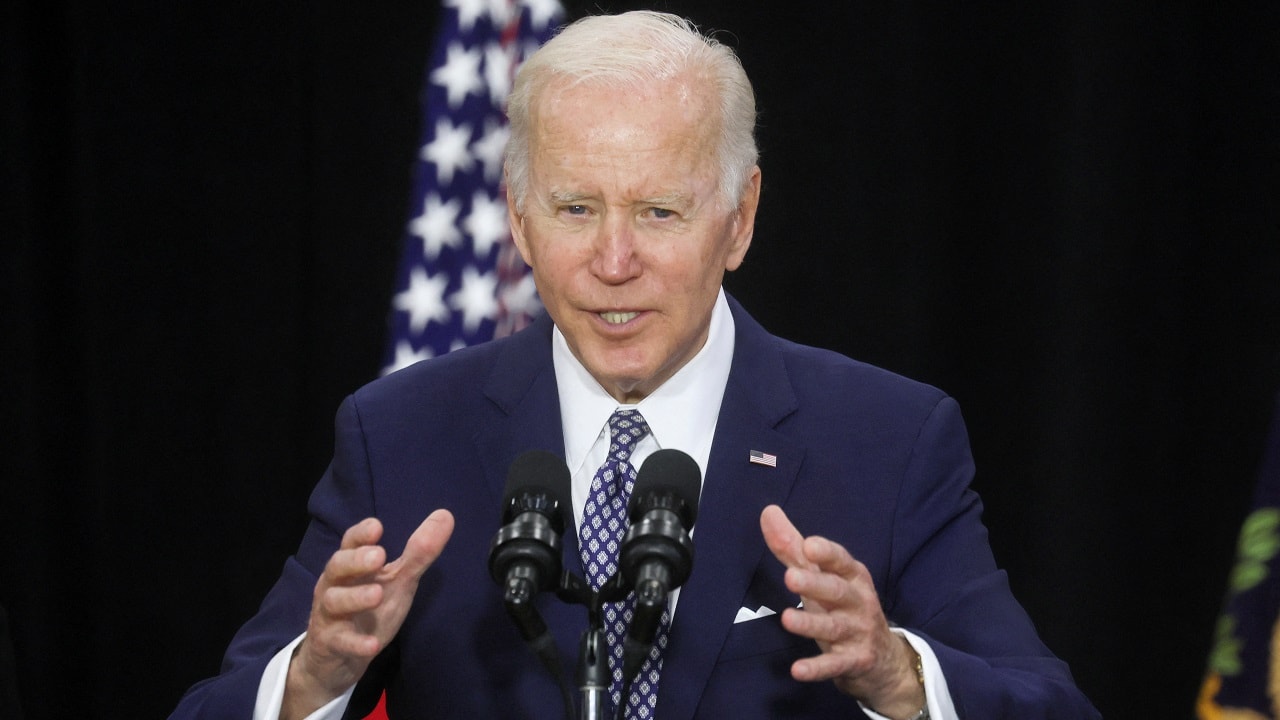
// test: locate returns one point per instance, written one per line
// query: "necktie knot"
(626, 428)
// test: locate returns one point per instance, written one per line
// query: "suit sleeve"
(342, 498)
(945, 587)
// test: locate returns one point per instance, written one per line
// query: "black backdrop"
(1062, 213)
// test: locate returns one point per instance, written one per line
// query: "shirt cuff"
(271, 690)
(936, 694)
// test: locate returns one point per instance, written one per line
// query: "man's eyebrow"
(674, 198)
(566, 197)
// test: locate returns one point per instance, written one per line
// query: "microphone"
(525, 557)
(657, 552)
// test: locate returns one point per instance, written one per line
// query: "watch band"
(924, 711)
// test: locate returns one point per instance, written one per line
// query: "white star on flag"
(468, 12)
(437, 225)
(423, 300)
(542, 12)
(487, 223)
(448, 150)
(461, 280)
(520, 298)
(498, 61)
(490, 148)
(477, 299)
(460, 74)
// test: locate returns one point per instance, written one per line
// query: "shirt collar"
(681, 413)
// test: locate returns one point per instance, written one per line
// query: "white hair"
(627, 50)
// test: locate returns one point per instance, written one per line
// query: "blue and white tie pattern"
(604, 523)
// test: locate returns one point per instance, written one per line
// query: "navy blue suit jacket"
(876, 462)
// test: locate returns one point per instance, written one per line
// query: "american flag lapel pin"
(763, 458)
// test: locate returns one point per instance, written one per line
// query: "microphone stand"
(593, 675)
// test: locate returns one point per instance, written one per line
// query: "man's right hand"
(360, 601)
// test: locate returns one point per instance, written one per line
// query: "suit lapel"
(728, 545)
(522, 387)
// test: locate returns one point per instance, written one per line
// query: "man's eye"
(576, 209)
(663, 213)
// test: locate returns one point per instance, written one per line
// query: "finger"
(800, 622)
(354, 564)
(425, 544)
(784, 540)
(831, 557)
(365, 532)
(850, 644)
(829, 666)
(343, 601)
(357, 556)
(836, 627)
(834, 578)
(824, 591)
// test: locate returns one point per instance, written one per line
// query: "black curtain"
(1063, 213)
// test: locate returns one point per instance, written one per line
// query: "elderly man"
(842, 567)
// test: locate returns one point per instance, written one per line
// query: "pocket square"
(747, 614)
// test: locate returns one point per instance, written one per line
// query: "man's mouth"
(618, 318)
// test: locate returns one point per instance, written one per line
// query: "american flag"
(763, 458)
(461, 281)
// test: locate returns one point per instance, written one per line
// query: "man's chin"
(626, 385)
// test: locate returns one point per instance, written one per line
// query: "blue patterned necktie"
(604, 522)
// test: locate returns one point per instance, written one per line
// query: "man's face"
(624, 227)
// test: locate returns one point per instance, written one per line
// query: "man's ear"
(744, 221)
(516, 220)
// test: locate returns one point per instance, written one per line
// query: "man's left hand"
(842, 613)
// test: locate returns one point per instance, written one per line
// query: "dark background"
(1063, 213)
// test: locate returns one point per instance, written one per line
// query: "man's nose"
(615, 258)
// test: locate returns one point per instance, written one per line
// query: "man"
(842, 568)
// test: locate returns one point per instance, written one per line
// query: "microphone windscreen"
(537, 480)
(669, 474)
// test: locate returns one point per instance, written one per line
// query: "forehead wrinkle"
(566, 102)
(646, 158)
(626, 184)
